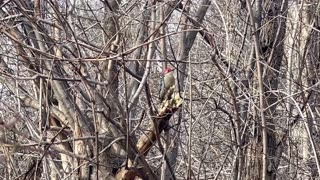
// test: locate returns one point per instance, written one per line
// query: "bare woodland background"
(79, 89)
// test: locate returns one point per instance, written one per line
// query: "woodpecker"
(167, 84)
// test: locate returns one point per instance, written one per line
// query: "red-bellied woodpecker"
(167, 84)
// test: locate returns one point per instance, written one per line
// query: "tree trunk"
(270, 47)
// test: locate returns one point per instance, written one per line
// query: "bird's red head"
(167, 70)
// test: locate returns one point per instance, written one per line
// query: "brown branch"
(148, 139)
